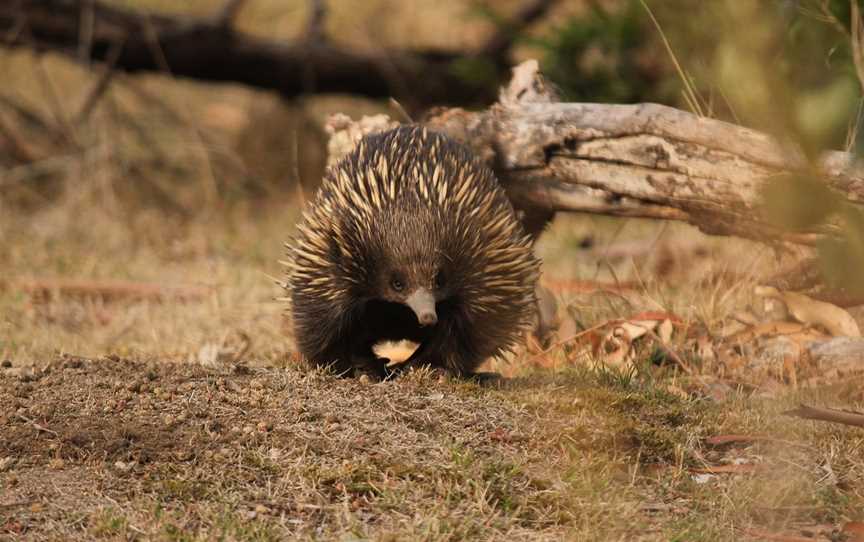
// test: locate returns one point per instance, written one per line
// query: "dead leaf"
(635, 328)
(854, 531)
(837, 321)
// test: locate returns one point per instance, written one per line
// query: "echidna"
(409, 237)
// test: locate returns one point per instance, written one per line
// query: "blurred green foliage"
(606, 55)
(609, 53)
(794, 75)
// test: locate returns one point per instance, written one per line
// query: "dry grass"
(146, 444)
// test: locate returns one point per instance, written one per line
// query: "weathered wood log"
(641, 160)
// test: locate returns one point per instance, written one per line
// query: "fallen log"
(642, 160)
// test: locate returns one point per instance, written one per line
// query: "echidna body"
(409, 237)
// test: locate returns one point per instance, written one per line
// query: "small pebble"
(265, 426)
(6, 363)
(124, 467)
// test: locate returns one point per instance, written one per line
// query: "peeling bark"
(642, 160)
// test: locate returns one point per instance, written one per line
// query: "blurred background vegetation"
(181, 146)
(190, 150)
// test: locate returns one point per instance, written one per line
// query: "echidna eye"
(397, 284)
(440, 280)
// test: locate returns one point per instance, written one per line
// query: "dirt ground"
(118, 449)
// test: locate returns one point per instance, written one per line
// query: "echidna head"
(418, 282)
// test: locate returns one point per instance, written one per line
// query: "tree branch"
(211, 50)
(827, 415)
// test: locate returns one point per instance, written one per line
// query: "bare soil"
(114, 448)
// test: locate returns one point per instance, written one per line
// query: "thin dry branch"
(100, 86)
(317, 17)
(229, 12)
(46, 288)
(832, 415)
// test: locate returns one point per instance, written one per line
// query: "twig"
(13, 505)
(101, 84)
(229, 12)
(833, 415)
(722, 440)
(397, 107)
(731, 468)
(53, 100)
(17, 148)
(29, 115)
(107, 289)
(857, 26)
(85, 30)
(765, 535)
(317, 16)
(209, 182)
(567, 340)
(671, 353)
(31, 170)
(36, 426)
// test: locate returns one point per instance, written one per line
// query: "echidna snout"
(422, 302)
